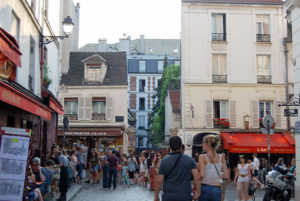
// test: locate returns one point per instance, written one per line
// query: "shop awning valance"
(281, 143)
(9, 48)
(92, 132)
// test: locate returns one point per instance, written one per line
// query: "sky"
(110, 19)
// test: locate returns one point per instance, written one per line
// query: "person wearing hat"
(242, 178)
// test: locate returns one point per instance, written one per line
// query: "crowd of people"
(209, 171)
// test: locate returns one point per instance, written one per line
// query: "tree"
(170, 79)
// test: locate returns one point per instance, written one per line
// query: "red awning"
(56, 106)
(258, 143)
(13, 97)
(9, 47)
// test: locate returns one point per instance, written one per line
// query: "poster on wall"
(12, 169)
(14, 147)
(11, 189)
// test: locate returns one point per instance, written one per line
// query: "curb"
(73, 191)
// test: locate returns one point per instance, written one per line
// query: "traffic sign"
(268, 121)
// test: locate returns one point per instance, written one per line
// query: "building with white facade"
(144, 71)
(233, 72)
(293, 7)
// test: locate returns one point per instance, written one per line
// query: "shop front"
(101, 138)
(281, 145)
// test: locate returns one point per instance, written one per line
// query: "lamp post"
(44, 40)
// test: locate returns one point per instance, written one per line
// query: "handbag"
(215, 167)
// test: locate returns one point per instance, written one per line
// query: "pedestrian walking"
(211, 165)
(125, 174)
(80, 164)
(255, 170)
(175, 174)
(152, 173)
(105, 169)
(113, 172)
(242, 179)
(94, 166)
(132, 163)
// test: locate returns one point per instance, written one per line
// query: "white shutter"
(254, 114)
(81, 108)
(88, 108)
(109, 104)
(209, 114)
(277, 114)
(232, 113)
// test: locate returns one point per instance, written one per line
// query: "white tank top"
(243, 171)
(211, 175)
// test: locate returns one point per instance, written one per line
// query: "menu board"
(14, 148)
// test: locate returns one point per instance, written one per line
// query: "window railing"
(72, 116)
(98, 116)
(142, 107)
(218, 37)
(264, 78)
(219, 78)
(141, 127)
(263, 37)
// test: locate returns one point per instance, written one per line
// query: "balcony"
(98, 116)
(264, 79)
(72, 116)
(218, 37)
(263, 37)
(219, 78)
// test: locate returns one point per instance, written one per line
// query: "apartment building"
(94, 95)
(233, 72)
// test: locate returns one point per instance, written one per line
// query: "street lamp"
(67, 29)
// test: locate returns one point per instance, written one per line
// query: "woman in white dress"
(242, 179)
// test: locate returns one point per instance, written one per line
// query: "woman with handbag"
(211, 165)
(242, 178)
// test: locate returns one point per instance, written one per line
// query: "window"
(142, 103)
(262, 28)
(177, 63)
(71, 108)
(31, 79)
(160, 66)
(221, 109)
(141, 141)
(93, 72)
(142, 123)
(142, 66)
(11, 121)
(219, 68)
(15, 27)
(218, 27)
(99, 107)
(141, 85)
(263, 69)
(265, 108)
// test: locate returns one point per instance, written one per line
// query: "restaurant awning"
(14, 97)
(9, 48)
(281, 143)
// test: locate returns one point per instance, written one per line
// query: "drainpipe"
(285, 51)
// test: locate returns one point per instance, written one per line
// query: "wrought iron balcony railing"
(264, 78)
(263, 37)
(219, 78)
(98, 116)
(218, 37)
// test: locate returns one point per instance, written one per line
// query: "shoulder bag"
(167, 175)
(215, 165)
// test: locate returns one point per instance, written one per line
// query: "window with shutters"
(265, 108)
(221, 114)
(263, 69)
(218, 27)
(71, 108)
(262, 28)
(99, 108)
(142, 66)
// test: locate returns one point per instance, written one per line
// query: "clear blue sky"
(111, 18)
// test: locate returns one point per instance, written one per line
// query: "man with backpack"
(175, 173)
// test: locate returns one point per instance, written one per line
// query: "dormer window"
(95, 68)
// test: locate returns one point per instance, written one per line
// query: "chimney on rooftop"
(142, 44)
(102, 45)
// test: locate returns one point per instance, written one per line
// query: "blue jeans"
(113, 173)
(105, 176)
(210, 193)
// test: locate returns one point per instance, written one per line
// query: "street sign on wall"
(291, 112)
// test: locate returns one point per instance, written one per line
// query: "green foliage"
(169, 80)
(46, 71)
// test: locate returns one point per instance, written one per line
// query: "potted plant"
(221, 123)
(46, 80)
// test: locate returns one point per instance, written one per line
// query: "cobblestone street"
(137, 193)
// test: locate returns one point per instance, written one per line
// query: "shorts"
(255, 174)
(131, 174)
(32, 195)
(95, 168)
(79, 169)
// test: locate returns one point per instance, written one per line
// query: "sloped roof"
(264, 2)
(116, 73)
(175, 99)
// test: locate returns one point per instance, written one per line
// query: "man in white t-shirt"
(255, 169)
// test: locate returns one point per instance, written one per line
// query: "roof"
(151, 65)
(175, 99)
(263, 2)
(116, 73)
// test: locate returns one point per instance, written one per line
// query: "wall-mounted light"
(246, 121)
